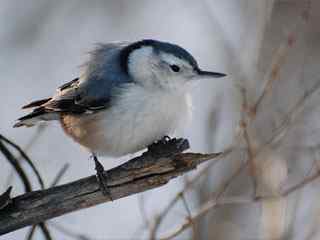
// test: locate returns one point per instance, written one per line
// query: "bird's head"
(160, 64)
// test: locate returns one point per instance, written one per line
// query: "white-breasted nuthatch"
(128, 96)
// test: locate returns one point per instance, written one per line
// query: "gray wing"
(93, 91)
(103, 75)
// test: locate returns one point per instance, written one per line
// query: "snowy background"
(42, 43)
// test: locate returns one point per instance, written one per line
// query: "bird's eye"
(175, 68)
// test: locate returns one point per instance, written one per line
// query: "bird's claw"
(159, 144)
(168, 144)
(102, 178)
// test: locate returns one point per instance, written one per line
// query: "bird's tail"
(39, 113)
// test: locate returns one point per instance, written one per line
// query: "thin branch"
(251, 160)
(287, 122)
(143, 213)
(189, 216)
(204, 209)
(23, 176)
(246, 119)
(5, 198)
(39, 131)
(190, 184)
(185, 204)
(150, 170)
(16, 165)
(31, 232)
(60, 174)
(43, 226)
(26, 157)
(301, 184)
(44, 229)
(69, 233)
(216, 201)
(279, 58)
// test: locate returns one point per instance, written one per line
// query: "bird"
(127, 96)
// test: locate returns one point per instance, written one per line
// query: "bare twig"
(43, 226)
(40, 129)
(189, 215)
(69, 233)
(141, 203)
(44, 229)
(185, 204)
(5, 198)
(31, 232)
(283, 128)
(278, 61)
(301, 184)
(218, 201)
(27, 185)
(26, 157)
(246, 118)
(189, 185)
(205, 207)
(16, 165)
(160, 217)
(152, 169)
(60, 174)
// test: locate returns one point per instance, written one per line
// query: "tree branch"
(152, 169)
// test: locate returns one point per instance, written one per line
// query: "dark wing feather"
(70, 100)
(88, 94)
(35, 113)
(69, 84)
(36, 103)
(95, 90)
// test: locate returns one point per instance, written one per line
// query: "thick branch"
(150, 170)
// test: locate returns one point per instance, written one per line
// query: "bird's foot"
(102, 178)
(159, 144)
(167, 144)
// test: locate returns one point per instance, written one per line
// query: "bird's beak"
(207, 74)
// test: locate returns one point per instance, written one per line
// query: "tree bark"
(152, 169)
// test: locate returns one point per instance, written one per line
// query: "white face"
(161, 70)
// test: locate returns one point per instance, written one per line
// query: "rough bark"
(152, 169)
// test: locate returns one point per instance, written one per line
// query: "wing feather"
(91, 92)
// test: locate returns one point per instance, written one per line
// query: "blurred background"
(266, 109)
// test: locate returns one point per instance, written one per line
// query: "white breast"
(136, 119)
